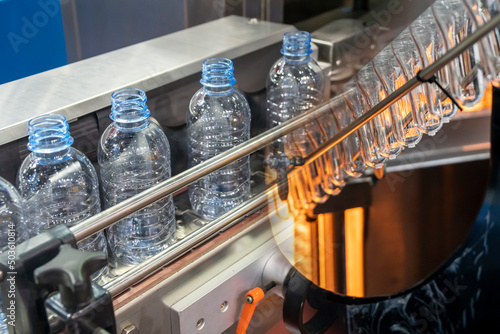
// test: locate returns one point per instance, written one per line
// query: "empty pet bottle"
(427, 112)
(295, 84)
(374, 92)
(134, 155)
(218, 118)
(374, 144)
(392, 77)
(352, 158)
(457, 23)
(58, 183)
(431, 45)
(12, 230)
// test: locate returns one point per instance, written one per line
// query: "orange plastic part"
(256, 295)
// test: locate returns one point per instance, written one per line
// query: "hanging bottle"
(352, 158)
(374, 143)
(375, 92)
(482, 12)
(134, 155)
(58, 183)
(456, 24)
(426, 108)
(218, 119)
(392, 77)
(431, 46)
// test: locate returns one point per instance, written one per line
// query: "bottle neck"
(217, 76)
(49, 138)
(129, 110)
(296, 47)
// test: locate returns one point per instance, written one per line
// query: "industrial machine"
(410, 248)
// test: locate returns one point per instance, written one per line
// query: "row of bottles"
(295, 80)
(59, 185)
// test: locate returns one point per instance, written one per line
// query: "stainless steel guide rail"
(112, 215)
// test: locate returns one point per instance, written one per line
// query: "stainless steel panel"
(83, 87)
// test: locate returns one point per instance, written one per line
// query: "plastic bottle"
(374, 92)
(392, 77)
(294, 85)
(12, 229)
(431, 45)
(374, 143)
(58, 183)
(426, 108)
(457, 23)
(218, 119)
(134, 155)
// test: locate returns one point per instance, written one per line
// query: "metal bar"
(425, 74)
(149, 266)
(127, 207)
(107, 217)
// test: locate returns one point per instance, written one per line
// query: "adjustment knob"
(71, 271)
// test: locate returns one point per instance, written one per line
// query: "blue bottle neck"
(296, 47)
(49, 138)
(129, 110)
(217, 76)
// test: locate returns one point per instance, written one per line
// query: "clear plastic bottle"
(392, 76)
(427, 112)
(218, 119)
(12, 228)
(294, 85)
(482, 11)
(134, 155)
(374, 92)
(374, 144)
(457, 23)
(431, 46)
(352, 158)
(58, 183)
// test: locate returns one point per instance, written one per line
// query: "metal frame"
(112, 215)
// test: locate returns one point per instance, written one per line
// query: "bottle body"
(12, 228)
(218, 118)
(134, 155)
(58, 183)
(294, 85)
(392, 77)
(456, 24)
(385, 124)
(374, 143)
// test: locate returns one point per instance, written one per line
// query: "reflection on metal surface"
(84, 87)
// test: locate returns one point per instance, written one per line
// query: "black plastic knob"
(71, 271)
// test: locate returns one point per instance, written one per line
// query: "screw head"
(249, 299)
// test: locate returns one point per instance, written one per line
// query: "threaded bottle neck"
(49, 137)
(129, 110)
(296, 46)
(217, 76)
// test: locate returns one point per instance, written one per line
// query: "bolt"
(130, 329)
(249, 299)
